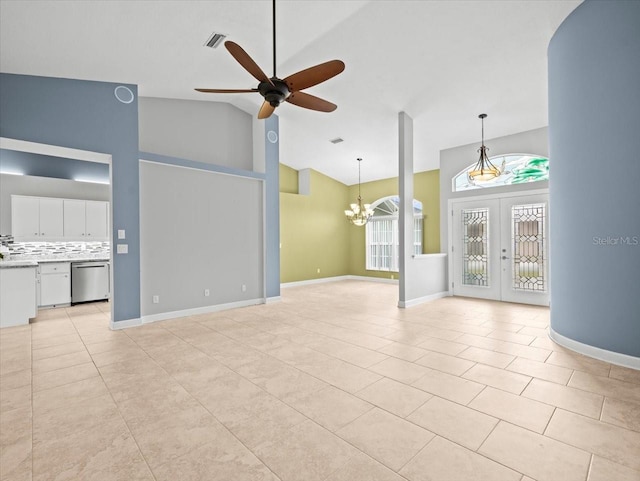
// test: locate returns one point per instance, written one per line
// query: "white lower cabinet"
(55, 283)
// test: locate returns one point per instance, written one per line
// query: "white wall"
(44, 187)
(453, 160)
(211, 132)
(199, 230)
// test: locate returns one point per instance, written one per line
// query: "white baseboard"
(271, 300)
(595, 352)
(422, 300)
(322, 280)
(125, 324)
(163, 316)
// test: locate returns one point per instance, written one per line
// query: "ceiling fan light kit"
(275, 90)
(484, 169)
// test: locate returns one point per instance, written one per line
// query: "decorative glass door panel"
(499, 249)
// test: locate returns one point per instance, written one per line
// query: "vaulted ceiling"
(442, 62)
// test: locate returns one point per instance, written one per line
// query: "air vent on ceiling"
(337, 140)
(215, 39)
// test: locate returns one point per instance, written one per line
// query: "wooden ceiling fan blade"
(226, 91)
(310, 102)
(266, 110)
(314, 75)
(246, 61)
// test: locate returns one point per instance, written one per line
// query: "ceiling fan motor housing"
(274, 94)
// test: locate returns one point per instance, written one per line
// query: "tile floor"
(333, 383)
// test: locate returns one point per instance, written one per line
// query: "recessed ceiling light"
(337, 140)
(215, 39)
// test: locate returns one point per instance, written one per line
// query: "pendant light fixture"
(359, 213)
(484, 170)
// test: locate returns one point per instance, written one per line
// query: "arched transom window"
(382, 238)
(517, 169)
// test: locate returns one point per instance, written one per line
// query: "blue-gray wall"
(40, 165)
(86, 115)
(594, 144)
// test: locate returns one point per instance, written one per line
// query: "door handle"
(504, 258)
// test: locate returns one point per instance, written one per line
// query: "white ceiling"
(442, 62)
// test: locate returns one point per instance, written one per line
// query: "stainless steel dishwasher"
(89, 281)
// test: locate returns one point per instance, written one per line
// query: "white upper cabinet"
(74, 218)
(25, 217)
(42, 218)
(97, 216)
(51, 218)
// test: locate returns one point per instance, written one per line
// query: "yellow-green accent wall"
(315, 234)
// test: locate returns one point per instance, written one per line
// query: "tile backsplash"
(24, 250)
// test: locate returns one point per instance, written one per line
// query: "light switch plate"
(123, 249)
(121, 234)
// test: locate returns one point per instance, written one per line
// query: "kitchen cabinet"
(36, 218)
(17, 295)
(97, 220)
(55, 283)
(51, 219)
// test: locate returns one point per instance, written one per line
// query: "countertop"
(33, 261)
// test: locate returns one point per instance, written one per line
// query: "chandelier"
(484, 170)
(359, 213)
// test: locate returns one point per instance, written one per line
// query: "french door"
(500, 248)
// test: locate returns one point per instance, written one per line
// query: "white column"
(405, 220)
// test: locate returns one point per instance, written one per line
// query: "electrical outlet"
(207, 293)
(244, 288)
(156, 299)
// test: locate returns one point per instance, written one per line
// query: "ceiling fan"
(276, 90)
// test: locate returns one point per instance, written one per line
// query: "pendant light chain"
(274, 38)
(359, 213)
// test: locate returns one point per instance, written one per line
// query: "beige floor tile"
(579, 363)
(60, 349)
(16, 398)
(498, 378)
(621, 413)
(605, 386)
(59, 377)
(403, 351)
(541, 370)
(394, 396)
(331, 407)
(308, 453)
(612, 442)
(445, 363)
(484, 356)
(359, 356)
(625, 374)
(284, 381)
(363, 468)
(452, 421)
(450, 387)
(113, 344)
(503, 326)
(604, 470)
(444, 460)
(403, 371)
(568, 398)
(66, 394)
(122, 354)
(15, 445)
(62, 361)
(537, 456)
(342, 375)
(534, 331)
(15, 379)
(268, 419)
(74, 418)
(511, 337)
(220, 461)
(517, 410)
(172, 436)
(444, 347)
(386, 438)
(109, 452)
